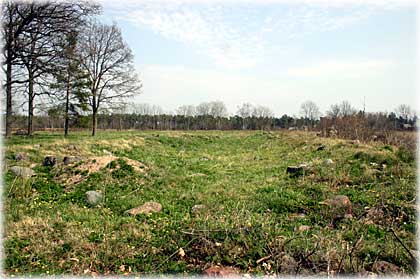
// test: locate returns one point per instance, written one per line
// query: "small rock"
(70, 160)
(146, 208)
(339, 208)
(20, 157)
(302, 228)
(93, 197)
(106, 152)
(72, 147)
(384, 267)
(297, 216)
(221, 271)
(49, 161)
(295, 171)
(36, 146)
(198, 208)
(288, 265)
(321, 147)
(23, 172)
(328, 162)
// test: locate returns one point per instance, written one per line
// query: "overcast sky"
(276, 53)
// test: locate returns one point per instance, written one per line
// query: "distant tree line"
(214, 116)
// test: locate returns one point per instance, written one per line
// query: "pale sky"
(276, 53)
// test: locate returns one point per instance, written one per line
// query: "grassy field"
(255, 217)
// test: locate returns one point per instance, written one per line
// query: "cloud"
(239, 33)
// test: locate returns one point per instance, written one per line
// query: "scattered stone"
(21, 133)
(366, 274)
(72, 147)
(93, 197)
(49, 161)
(70, 160)
(374, 216)
(36, 146)
(20, 157)
(106, 152)
(321, 147)
(302, 228)
(297, 216)
(383, 267)
(288, 265)
(328, 162)
(198, 208)
(339, 208)
(221, 271)
(146, 208)
(295, 171)
(23, 172)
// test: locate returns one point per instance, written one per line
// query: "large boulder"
(93, 197)
(146, 208)
(22, 172)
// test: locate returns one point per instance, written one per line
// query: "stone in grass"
(302, 228)
(328, 162)
(321, 147)
(221, 271)
(287, 265)
(295, 171)
(198, 208)
(93, 197)
(20, 157)
(22, 172)
(339, 208)
(67, 160)
(383, 267)
(146, 208)
(49, 161)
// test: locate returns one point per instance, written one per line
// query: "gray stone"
(287, 265)
(146, 208)
(295, 171)
(93, 197)
(23, 172)
(198, 208)
(49, 161)
(70, 160)
(383, 267)
(328, 162)
(20, 157)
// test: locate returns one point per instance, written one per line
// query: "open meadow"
(218, 202)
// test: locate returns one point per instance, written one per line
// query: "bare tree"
(262, 111)
(109, 62)
(404, 111)
(147, 109)
(334, 111)
(245, 111)
(203, 108)
(218, 109)
(186, 110)
(346, 109)
(310, 111)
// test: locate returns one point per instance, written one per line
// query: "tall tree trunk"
(30, 104)
(66, 113)
(8, 97)
(9, 82)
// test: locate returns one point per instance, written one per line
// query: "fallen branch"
(405, 247)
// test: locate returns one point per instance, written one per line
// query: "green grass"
(251, 204)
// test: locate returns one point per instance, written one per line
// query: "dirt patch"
(95, 164)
